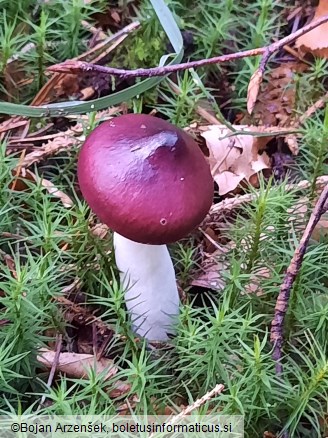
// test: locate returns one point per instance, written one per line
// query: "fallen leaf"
(10, 263)
(87, 93)
(321, 229)
(120, 388)
(67, 85)
(77, 365)
(116, 16)
(254, 286)
(316, 41)
(292, 143)
(210, 276)
(269, 435)
(100, 230)
(236, 158)
(274, 104)
(253, 90)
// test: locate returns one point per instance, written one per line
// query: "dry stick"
(230, 204)
(59, 340)
(78, 66)
(199, 402)
(308, 113)
(274, 48)
(317, 105)
(91, 53)
(292, 271)
(267, 51)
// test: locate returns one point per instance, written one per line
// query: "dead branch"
(291, 274)
(195, 405)
(59, 339)
(230, 204)
(78, 66)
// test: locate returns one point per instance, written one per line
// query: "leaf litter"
(235, 160)
(316, 41)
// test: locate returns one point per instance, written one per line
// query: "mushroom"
(150, 183)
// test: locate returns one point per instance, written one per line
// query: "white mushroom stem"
(151, 294)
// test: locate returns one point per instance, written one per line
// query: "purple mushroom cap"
(145, 178)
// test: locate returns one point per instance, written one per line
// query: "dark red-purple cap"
(145, 178)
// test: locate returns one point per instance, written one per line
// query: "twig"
(199, 402)
(43, 95)
(292, 272)
(78, 66)
(230, 204)
(313, 108)
(94, 30)
(274, 47)
(257, 77)
(59, 340)
(267, 51)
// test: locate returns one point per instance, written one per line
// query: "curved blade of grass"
(66, 108)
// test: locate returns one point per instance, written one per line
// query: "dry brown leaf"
(120, 388)
(254, 287)
(253, 89)
(269, 435)
(116, 16)
(276, 98)
(100, 231)
(321, 229)
(77, 365)
(292, 143)
(87, 93)
(235, 158)
(316, 41)
(210, 277)
(67, 85)
(10, 263)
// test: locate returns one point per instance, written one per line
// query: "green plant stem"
(258, 228)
